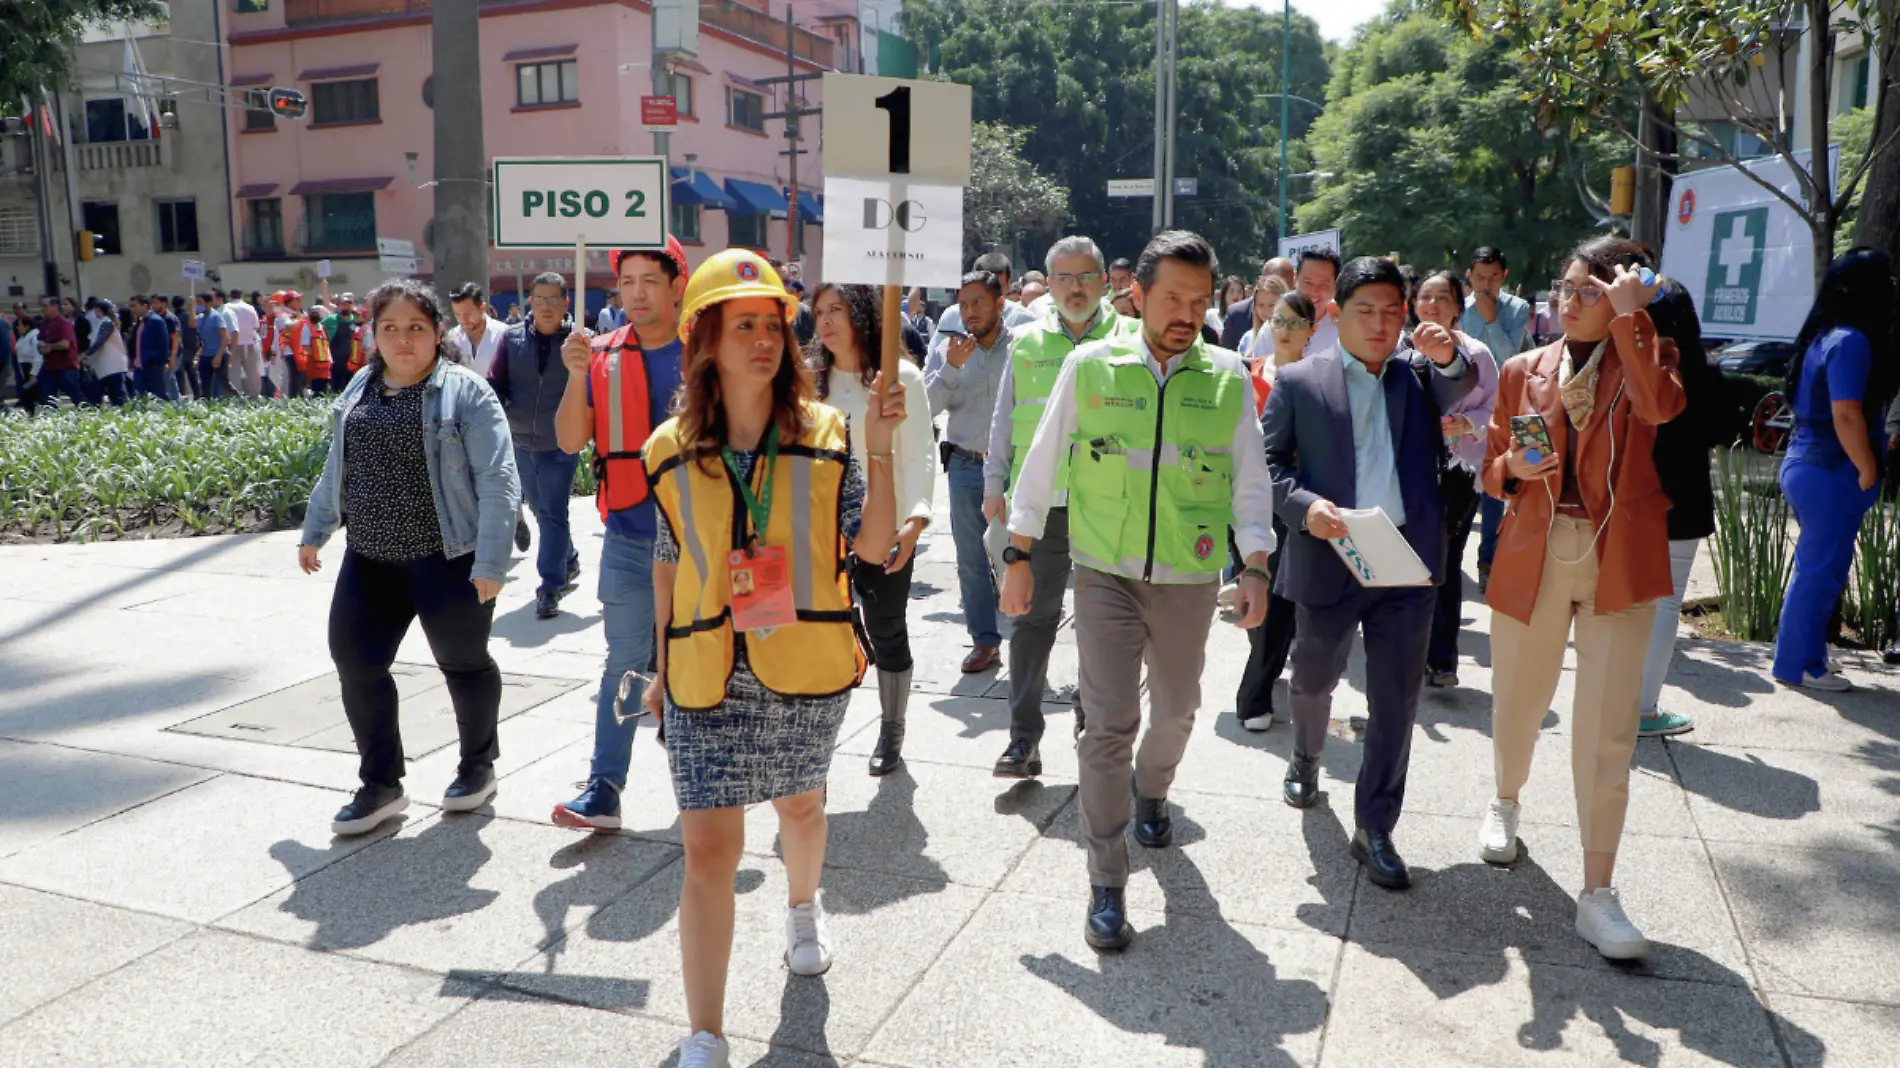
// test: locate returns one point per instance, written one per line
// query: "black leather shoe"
(1154, 828)
(523, 537)
(1082, 723)
(1108, 927)
(888, 754)
(1375, 852)
(1022, 760)
(368, 809)
(573, 572)
(470, 790)
(1301, 789)
(547, 604)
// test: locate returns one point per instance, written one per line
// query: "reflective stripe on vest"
(814, 657)
(1151, 486)
(622, 420)
(1036, 358)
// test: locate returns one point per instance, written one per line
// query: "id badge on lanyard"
(761, 575)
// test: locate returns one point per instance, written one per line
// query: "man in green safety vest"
(1164, 458)
(1078, 277)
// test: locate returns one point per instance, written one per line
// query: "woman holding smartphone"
(1584, 546)
(761, 499)
(422, 466)
(843, 357)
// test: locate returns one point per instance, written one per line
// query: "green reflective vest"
(1151, 486)
(1035, 359)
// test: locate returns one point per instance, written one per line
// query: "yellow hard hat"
(729, 275)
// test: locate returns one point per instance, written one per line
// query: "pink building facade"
(559, 77)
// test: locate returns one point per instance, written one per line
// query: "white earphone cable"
(1609, 478)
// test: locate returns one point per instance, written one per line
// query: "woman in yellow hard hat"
(761, 504)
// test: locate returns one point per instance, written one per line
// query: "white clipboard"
(1376, 553)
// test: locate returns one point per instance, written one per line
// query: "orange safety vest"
(622, 420)
(312, 349)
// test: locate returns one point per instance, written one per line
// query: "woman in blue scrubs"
(1840, 382)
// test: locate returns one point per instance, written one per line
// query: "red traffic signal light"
(288, 103)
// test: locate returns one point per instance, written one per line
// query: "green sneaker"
(1664, 724)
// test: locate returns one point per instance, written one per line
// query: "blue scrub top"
(1835, 369)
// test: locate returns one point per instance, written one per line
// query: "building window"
(685, 222)
(102, 218)
(337, 222)
(746, 231)
(19, 232)
(250, 7)
(264, 227)
(745, 110)
(108, 120)
(177, 225)
(542, 84)
(337, 103)
(257, 113)
(683, 93)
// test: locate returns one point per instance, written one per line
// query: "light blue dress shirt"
(1505, 336)
(1375, 468)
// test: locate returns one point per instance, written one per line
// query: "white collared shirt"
(483, 356)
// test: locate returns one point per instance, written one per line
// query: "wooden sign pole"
(893, 339)
(580, 280)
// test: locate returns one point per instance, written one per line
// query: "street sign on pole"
(659, 114)
(1131, 187)
(1187, 187)
(395, 256)
(553, 202)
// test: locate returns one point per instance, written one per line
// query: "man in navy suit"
(1355, 427)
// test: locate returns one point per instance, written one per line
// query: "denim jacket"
(471, 469)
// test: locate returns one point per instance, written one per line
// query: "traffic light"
(87, 247)
(288, 103)
(1623, 191)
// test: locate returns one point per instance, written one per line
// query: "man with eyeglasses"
(1241, 317)
(1078, 277)
(530, 378)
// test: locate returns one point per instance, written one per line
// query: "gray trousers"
(1034, 632)
(247, 370)
(1120, 624)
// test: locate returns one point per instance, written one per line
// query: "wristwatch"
(1013, 555)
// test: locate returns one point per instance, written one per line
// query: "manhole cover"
(309, 715)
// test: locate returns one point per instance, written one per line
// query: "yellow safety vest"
(818, 656)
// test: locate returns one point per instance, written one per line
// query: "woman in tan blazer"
(1584, 545)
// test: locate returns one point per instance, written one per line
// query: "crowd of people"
(1172, 444)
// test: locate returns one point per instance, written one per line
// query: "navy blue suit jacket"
(1309, 442)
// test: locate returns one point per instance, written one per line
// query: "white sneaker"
(1497, 839)
(1602, 923)
(1829, 683)
(807, 945)
(1262, 722)
(704, 1050)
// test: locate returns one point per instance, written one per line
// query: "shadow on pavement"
(803, 1011)
(595, 885)
(1195, 981)
(523, 631)
(434, 869)
(1745, 783)
(890, 827)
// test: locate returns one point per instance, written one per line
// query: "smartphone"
(954, 334)
(1532, 433)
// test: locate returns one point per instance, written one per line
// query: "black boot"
(1108, 927)
(1302, 781)
(1376, 853)
(1154, 828)
(893, 692)
(1022, 760)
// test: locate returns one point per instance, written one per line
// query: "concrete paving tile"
(647, 807)
(1790, 720)
(1192, 991)
(311, 767)
(1261, 863)
(505, 1030)
(885, 932)
(1821, 1031)
(1822, 921)
(142, 695)
(213, 1000)
(1794, 797)
(54, 944)
(1458, 902)
(972, 732)
(1453, 776)
(196, 854)
(525, 738)
(47, 790)
(457, 892)
(1451, 1010)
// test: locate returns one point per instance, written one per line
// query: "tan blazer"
(1633, 551)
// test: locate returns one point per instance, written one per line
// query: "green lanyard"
(761, 505)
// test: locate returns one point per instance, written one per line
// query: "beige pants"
(1527, 661)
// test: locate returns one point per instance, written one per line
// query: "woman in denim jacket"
(422, 468)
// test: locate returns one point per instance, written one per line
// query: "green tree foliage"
(36, 47)
(1430, 150)
(1080, 79)
(1007, 195)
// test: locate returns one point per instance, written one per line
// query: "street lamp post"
(1286, 34)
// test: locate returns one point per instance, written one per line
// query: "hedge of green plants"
(153, 469)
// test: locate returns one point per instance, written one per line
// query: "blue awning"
(698, 187)
(810, 208)
(754, 198)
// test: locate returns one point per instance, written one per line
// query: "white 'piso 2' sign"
(616, 202)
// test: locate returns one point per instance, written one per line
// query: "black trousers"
(1268, 645)
(1461, 508)
(883, 599)
(374, 604)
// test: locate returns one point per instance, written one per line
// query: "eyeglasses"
(1289, 322)
(547, 302)
(1586, 295)
(625, 693)
(1086, 278)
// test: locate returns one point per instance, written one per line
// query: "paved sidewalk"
(170, 894)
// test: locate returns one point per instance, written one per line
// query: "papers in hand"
(1376, 553)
